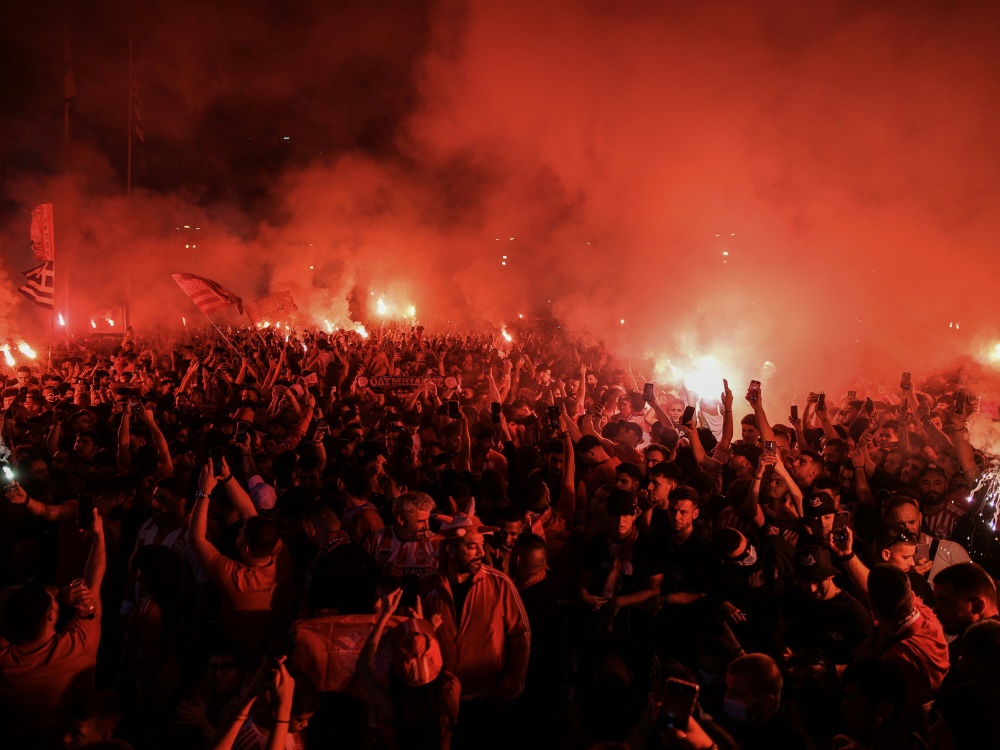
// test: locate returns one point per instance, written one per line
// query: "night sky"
(812, 184)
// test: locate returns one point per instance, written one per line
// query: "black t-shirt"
(836, 626)
(459, 591)
(686, 566)
(638, 562)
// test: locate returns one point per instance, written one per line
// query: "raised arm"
(204, 550)
(124, 437)
(165, 468)
(237, 495)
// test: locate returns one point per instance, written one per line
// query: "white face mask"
(750, 558)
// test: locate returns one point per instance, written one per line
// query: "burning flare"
(26, 350)
(7, 355)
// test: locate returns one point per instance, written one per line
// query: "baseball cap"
(620, 503)
(416, 654)
(264, 496)
(929, 468)
(812, 563)
(819, 504)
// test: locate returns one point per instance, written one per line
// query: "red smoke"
(843, 157)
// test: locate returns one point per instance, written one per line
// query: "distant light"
(520, 316)
(187, 246)
(504, 257)
(110, 322)
(503, 263)
(287, 138)
(622, 321)
(380, 306)
(411, 311)
(193, 246)
(187, 226)
(725, 252)
(511, 239)
(62, 321)
(197, 227)
(93, 324)
(312, 268)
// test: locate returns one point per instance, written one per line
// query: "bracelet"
(845, 558)
(223, 480)
(198, 495)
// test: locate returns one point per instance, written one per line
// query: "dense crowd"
(310, 539)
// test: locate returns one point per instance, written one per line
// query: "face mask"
(735, 710)
(748, 558)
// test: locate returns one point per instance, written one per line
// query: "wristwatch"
(198, 494)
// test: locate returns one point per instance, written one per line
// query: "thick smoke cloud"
(808, 184)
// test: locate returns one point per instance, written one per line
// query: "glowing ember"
(622, 321)
(7, 355)
(110, 322)
(62, 321)
(411, 311)
(380, 306)
(184, 321)
(26, 350)
(506, 336)
(93, 324)
(329, 326)
(520, 316)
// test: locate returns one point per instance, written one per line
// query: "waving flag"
(276, 305)
(43, 241)
(40, 285)
(208, 295)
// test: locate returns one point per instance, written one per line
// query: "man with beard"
(619, 567)
(817, 614)
(501, 544)
(484, 633)
(940, 515)
(964, 594)
(489, 653)
(934, 555)
(168, 527)
(405, 550)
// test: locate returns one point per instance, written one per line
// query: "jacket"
(488, 650)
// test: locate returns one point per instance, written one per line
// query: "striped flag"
(135, 103)
(40, 285)
(208, 295)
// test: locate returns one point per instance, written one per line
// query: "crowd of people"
(308, 539)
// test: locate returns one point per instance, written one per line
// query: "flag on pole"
(276, 305)
(40, 285)
(43, 234)
(136, 102)
(208, 295)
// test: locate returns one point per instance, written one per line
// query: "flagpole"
(128, 168)
(223, 335)
(256, 330)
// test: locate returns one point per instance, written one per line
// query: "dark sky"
(843, 154)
